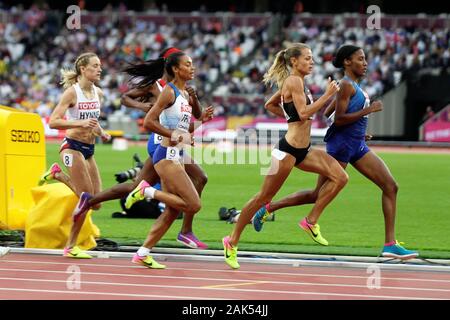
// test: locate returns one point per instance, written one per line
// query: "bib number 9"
(173, 154)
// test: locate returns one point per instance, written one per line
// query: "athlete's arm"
(68, 99)
(194, 102)
(207, 115)
(342, 118)
(295, 86)
(330, 109)
(129, 98)
(274, 104)
(151, 120)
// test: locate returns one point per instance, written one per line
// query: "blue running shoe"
(397, 251)
(260, 217)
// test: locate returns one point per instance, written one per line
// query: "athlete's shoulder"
(346, 86)
(294, 83)
(99, 90)
(70, 93)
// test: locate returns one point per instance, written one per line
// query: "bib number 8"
(68, 159)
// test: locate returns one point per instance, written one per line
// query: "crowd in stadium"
(230, 60)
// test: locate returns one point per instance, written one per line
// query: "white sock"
(149, 192)
(143, 252)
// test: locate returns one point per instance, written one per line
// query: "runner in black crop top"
(290, 111)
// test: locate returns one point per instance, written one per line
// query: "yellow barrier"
(22, 161)
(50, 220)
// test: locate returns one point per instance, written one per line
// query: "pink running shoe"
(49, 175)
(191, 241)
(82, 206)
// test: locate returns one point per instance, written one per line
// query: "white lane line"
(237, 282)
(217, 289)
(241, 271)
(135, 295)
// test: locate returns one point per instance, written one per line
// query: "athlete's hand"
(89, 123)
(368, 137)
(332, 87)
(147, 106)
(105, 136)
(191, 91)
(180, 137)
(207, 114)
(376, 106)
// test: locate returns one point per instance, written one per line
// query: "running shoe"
(397, 251)
(314, 231)
(147, 261)
(191, 241)
(230, 253)
(260, 217)
(137, 194)
(82, 206)
(49, 175)
(76, 253)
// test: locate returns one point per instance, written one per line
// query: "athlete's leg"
(374, 168)
(199, 179)
(174, 181)
(82, 177)
(147, 173)
(298, 198)
(320, 162)
(278, 173)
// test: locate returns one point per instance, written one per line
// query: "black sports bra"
(290, 112)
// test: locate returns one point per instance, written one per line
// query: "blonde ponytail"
(279, 71)
(70, 76)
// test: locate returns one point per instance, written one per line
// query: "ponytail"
(279, 71)
(69, 78)
(145, 73)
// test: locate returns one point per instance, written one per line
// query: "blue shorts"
(346, 149)
(86, 149)
(161, 154)
(153, 142)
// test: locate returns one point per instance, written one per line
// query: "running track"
(50, 277)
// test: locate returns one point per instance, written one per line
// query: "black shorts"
(298, 153)
(86, 149)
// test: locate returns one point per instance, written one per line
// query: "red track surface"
(31, 276)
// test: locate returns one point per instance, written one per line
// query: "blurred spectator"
(230, 59)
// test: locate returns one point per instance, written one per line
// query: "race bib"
(173, 154)
(185, 119)
(68, 159)
(278, 154)
(157, 139)
(366, 102)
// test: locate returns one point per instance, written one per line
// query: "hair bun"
(343, 53)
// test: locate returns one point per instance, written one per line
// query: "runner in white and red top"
(143, 94)
(77, 112)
